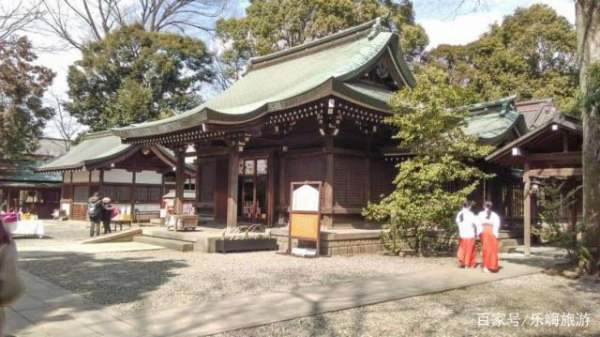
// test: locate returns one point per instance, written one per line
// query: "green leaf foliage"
(532, 53)
(272, 25)
(133, 76)
(440, 170)
(23, 115)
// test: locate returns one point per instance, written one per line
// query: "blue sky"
(444, 21)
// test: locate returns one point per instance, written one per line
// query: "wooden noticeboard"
(305, 213)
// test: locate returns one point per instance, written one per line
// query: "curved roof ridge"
(99, 134)
(344, 35)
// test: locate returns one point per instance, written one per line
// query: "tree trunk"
(588, 43)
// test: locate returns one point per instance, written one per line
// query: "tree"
(588, 50)
(65, 124)
(22, 86)
(272, 25)
(430, 120)
(132, 76)
(15, 18)
(532, 53)
(79, 23)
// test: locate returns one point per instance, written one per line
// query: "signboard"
(305, 215)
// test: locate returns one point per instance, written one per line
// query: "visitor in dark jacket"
(107, 213)
(95, 213)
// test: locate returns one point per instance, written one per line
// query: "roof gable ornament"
(377, 28)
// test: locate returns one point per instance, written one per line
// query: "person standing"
(107, 214)
(94, 213)
(488, 228)
(11, 286)
(466, 222)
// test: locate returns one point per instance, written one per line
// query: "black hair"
(488, 209)
(466, 204)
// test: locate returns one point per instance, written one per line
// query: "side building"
(135, 177)
(23, 188)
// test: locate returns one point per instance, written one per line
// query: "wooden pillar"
(527, 212)
(72, 187)
(198, 174)
(368, 171)
(328, 197)
(232, 187)
(179, 180)
(101, 181)
(133, 194)
(283, 188)
(271, 170)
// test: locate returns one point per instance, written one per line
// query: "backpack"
(93, 209)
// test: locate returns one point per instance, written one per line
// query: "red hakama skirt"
(466, 252)
(489, 249)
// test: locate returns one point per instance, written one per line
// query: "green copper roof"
(289, 77)
(24, 171)
(93, 148)
(495, 122)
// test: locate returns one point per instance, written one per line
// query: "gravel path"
(133, 281)
(458, 313)
(57, 233)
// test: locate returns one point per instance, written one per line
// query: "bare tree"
(66, 125)
(81, 21)
(16, 16)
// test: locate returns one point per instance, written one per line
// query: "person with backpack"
(95, 213)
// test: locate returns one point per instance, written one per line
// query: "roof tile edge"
(370, 27)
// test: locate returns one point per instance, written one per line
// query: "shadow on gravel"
(104, 281)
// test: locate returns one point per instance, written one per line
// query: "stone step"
(170, 235)
(504, 234)
(507, 244)
(182, 246)
(122, 236)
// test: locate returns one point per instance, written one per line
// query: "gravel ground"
(58, 232)
(130, 282)
(462, 313)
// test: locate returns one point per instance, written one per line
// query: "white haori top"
(466, 227)
(493, 220)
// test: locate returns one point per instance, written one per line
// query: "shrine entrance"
(252, 190)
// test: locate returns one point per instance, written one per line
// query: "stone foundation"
(345, 242)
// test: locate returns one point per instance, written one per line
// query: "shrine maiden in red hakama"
(488, 227)
(466, 222)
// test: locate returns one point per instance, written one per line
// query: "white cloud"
(460, 29)
(467, 27)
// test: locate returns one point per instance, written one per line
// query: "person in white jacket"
(488, 228)
(466, 222)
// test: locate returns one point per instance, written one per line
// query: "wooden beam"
(198, 176)
(574, 157)
(232, 187)
(133, 195)
(527, 213)
(179, 179)
(551, 172)
(328, 189)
